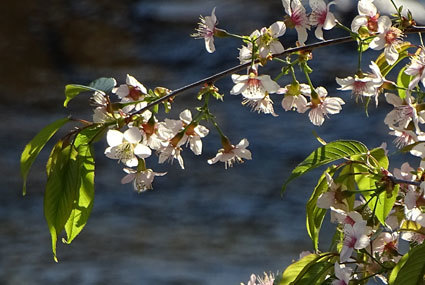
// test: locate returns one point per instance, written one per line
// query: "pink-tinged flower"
(126, 147)
(268, 279)
(264, 105)
(416, 68)
(253, 86)
(330, 198)
(388, 38)
(170, 152)
(403, 113)
(294, 97)
(142, 180)
(368, 85)
(267, 41)
(324, 106)
(386, 245)
(193, 133)
(206, 29)
(297, 19)
(355, 237)
(405, 173)
(132, 91)
(406, 137)
(368, 17)
(321, 17)
(230, 153)
(345, 218)
(342, 273)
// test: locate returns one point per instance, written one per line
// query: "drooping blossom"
(206, 29)
(193, 133)
(388, 38)
(355, 237)
(171, 148)
(295, 97)
(321, 17)
(366, 85)
(297, 19)
(267, 39)
(368, 17)
(403, 113)
(268, 279)
(323, 106)
(342, 274)
(405, 172)
(230, 154)
(332, 197)
(264, 105)
(170, 152)
(416, 68)
(245, 54)
(127, 146)
(407, 136)
(253, 86)
(142, 180)
(132, 91)
(101, 113)
(386, 245)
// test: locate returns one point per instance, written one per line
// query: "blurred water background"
(202, 225)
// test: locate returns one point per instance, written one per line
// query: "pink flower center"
(297, 17)
(392, 35)
(350, 241)
(349, 220)
(321, 19)
(372, 23)
(359, 87)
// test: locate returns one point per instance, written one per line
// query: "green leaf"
(403, 80)
(382, 62)
(323, 155)
(384, 204)
(314, 214)
(62, 187)
(104, 85)
(33, 148)
(410, 270)
(297, 270)
(83, 203)
(316, 273)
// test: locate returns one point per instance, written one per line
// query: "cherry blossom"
(355, 237)
(126, 147)
(342, 273)
(193, 133)
(230, 153)
(388, 38)
(253, 86)
(264, 105)
(142, 180)
(267, 41)
(323, 106)
(245, 54)
(268, 279)
(170, 152)
(295, 97)
(404, 112)
(321, 17)
(368, 17)
(206, 29)
(297, 19)
(132, 91)
(416, 69)
(386, 244)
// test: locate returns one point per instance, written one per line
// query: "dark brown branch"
(217, 76)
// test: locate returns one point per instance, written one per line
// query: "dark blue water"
(202, 225)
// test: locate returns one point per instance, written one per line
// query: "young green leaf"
(103, 85)
(314, 214)
(84, 201)
(325, 154)
(33, 148)
(316, 273)
(62, 187)
(410, 269)
(403, 81)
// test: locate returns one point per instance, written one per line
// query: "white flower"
(389, 38)
(193, 133)
(342, 274)
(230, 153)
(321, 17)
(416, 68)
(297, 18)
(206, 29)
(268, 279)
(264, 105)
(328, 199)
(126, 146)
(267, 41)
(355, 237)
(245, 54)
(132, 91)
(142, 180)
(405, 173)
(324, 106)
(368, 85)
(294, 97)
(404, 111)
(368, 17)
(386, 244)
(253, 86)
(171, 152)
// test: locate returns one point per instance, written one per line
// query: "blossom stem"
(396, 8)
(217, 76)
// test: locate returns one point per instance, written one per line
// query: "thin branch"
(217, 76)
